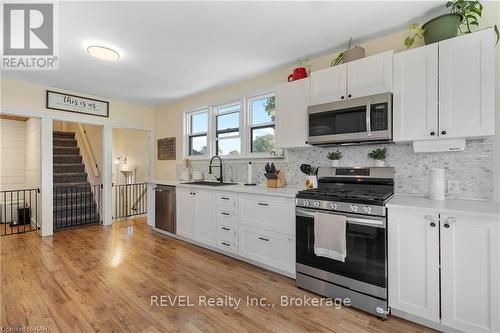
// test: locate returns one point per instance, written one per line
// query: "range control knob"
(354, 208)
(316, 204)
(367, 209)
(333, 205)
(305, 203)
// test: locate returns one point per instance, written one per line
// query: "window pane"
(263, 110)
(226, 134)
(229, 108)
(197, 145)
(228, 146)
(199, 122)
(263, 139)
(227, 121)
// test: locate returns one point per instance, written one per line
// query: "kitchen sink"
(208, 183)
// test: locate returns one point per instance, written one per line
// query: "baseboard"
(436, 326)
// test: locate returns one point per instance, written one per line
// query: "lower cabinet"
(270, 248)
(447, 261)
(196, 215)
(185, 212)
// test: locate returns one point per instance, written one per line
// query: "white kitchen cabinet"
(369, 76)
(292, 100)
(204, 217)
(466, 85)
(268, 247)
(470, 288)
(453, 266)
(415, 98)
(267, 212)
(329, 84)
(413, 262)
(185, 212)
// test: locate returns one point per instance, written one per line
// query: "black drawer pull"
(224, 213)
(224, 228)
(226, 244)
(263, 204)
(224, 198)
(264, 239)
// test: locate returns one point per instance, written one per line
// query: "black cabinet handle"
(433, 133)
(349, 95)
(342, 97)
(263, 204)
(224, 213)
(443, 132)
(224, 228)
(226, 244)
(264, 239)
(433, 224)
(446, 225)
(224, 198)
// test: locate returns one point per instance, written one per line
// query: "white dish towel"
(329, 236)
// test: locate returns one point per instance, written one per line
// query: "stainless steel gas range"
(360, 194)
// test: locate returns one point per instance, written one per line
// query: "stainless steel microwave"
(358, 120)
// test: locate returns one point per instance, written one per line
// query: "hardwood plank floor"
(101, 279)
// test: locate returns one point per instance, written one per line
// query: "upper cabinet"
(292, 100)
(466, 85)
(370, 76)
(363, 77)
(450, 83)
(416, 94)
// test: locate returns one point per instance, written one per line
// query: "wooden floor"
(101, 279)
(7, 229)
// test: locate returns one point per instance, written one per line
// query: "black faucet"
(219, 179)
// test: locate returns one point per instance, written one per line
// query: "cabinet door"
(466, 85)
(270, 248)
(185, 212)
(292, 100)
(369, 76)
(413, 261)
(204, 211)
(415, 110)
(329, 85)
(470, 278)
(268, 212)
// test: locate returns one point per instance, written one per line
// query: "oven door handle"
(375, 222)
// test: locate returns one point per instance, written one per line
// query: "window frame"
(188, 135)
(251, 127)
(216, 139)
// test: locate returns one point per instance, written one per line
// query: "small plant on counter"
(379, 154)
(334, 155)
(414, 31)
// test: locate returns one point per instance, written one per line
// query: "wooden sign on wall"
(166, 149)
(78, 104)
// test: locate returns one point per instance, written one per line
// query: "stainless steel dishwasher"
(165, 208)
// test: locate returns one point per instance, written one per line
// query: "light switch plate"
(453, 187)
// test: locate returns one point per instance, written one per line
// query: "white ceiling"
(170, 50)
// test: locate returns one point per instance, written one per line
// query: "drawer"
(227, 246)
(266, 212)
(226, 199)
(226, 215)
(227, 232)
(267, 247)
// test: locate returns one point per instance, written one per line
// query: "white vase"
(311, 182)
(379, 163)
(335, 163)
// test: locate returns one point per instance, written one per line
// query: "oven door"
(365, 266)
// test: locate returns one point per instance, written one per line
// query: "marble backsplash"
(473, 167)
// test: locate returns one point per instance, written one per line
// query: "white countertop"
(476, 207)
(287, 191)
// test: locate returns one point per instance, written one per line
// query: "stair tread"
(70, 173)
(73, 184)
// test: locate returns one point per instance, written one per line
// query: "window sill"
(237, 159)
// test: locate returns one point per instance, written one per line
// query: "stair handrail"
(86, 149)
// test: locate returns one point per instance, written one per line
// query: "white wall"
(12, 154)
(133, 145)
(32, 153)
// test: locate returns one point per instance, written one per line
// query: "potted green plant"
(464, 16)
(379, 155)
(334, 157)
(352, 53)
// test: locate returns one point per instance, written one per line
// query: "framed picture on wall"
(78, 104)
(166, 149)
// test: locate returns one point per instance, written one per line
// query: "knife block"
(278, 182)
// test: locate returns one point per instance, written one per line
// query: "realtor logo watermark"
(30, 36)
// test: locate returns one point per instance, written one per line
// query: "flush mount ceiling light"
(103, 53)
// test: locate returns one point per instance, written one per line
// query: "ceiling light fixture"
(103, 53)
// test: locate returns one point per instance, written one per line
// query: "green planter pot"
(441, 28)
